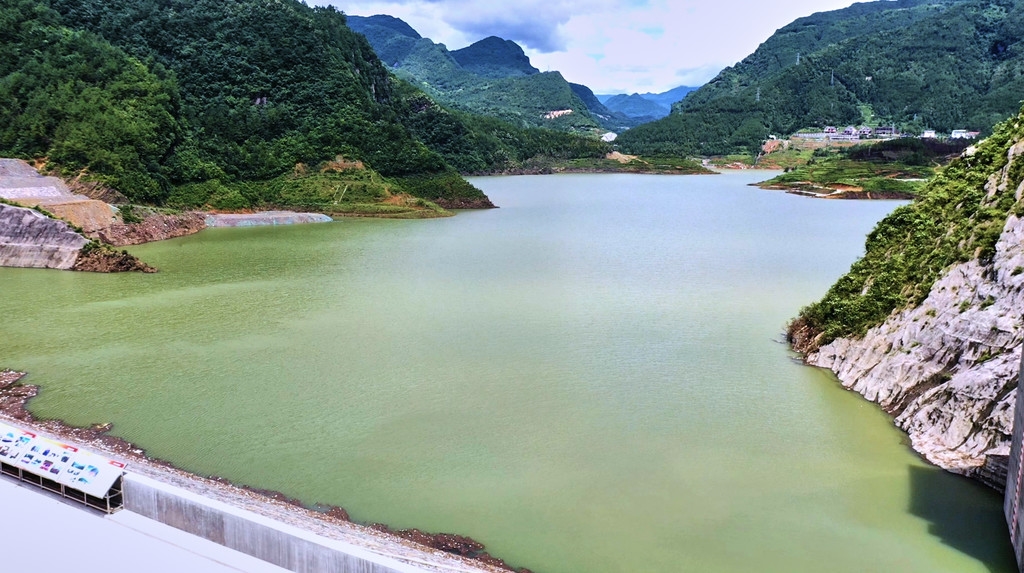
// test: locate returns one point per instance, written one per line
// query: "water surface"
(586, 379)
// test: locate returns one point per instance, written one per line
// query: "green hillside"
(636, 105)
(495, 58)
(938, 64)
(225, 103)
(149, 98)
(492, 77)
(82, 103)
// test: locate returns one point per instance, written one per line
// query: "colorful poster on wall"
(60, 462)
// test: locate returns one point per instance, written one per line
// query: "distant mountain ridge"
(670, 97)
(645, 107)
(492, 77)
(919, 64)
(494, 57)
(638, 106)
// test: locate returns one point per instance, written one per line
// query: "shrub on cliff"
(954, 219)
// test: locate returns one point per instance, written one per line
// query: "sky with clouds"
(611, 46)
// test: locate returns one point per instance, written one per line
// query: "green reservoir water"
(589, 378)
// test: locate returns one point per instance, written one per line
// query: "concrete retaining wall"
(265, 218)
(275, 542)
(1013, 504)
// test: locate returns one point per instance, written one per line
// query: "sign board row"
(60, 462)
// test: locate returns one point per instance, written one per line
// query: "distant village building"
(850, 130)
(964, 134)
(818, 136)
(886, 131)
(865, 131)
(831, 129)
(928, 134)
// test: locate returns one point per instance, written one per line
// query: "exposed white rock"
(948, 369)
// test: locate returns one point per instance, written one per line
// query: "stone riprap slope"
(19, 179)
(947, 369)
(22, 184)
(30, 239)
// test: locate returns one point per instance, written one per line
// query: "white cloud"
(612, 47)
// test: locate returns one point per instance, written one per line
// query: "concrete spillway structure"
(1013, 504)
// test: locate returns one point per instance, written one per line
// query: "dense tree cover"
(497, 80)
(480, 144)
(494, 57)
(264, 85)
(953, 219)
(84, 104)
(192, 99)
(940, 64)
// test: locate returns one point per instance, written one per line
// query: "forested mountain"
(154, 97)
(670, 97)
(636, 105)
(492, 77)
(645, 107)
(609, 119)
(495, 58)
(939, 64)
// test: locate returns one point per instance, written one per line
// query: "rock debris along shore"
(153, 228)
(441, 552)
(947, 369)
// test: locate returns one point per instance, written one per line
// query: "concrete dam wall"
(31, 239)
(1013, 505)
(275, 542)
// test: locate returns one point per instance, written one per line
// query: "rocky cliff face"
(947, 369)
(31, 239)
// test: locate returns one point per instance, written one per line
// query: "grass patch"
(838, 173)
(346, 190)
